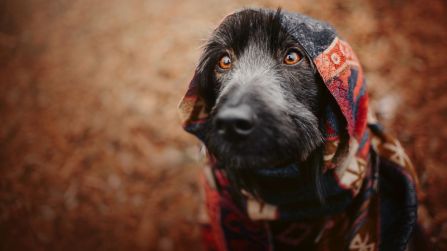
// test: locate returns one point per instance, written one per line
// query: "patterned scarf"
(359, 158)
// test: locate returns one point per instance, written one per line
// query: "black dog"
(263, 94)
(280, 103)
(262, 91)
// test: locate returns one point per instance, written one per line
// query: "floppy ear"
(315, 164)
(207, 86)
(314, 170)
(192, 109)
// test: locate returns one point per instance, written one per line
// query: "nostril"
(243, 126)
(220, 126)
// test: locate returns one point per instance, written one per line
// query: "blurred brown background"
(92, 156)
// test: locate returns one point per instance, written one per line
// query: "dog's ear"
(315, 162)
(207, 86)
(314, 170)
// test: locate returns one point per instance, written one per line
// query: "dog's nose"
(236, 121)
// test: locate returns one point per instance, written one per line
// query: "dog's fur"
(287, 100)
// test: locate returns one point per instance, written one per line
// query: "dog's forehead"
(244, 28)
(263, 24)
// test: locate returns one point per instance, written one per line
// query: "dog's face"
(261, 91)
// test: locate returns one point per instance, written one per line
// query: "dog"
(280, 103)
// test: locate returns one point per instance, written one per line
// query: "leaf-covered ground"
(92, 156)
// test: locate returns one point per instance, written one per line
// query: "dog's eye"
(292, 57)
(225, 62)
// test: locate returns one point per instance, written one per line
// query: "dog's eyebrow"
(237, 29)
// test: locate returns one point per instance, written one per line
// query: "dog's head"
(262, 92)
(279, 88)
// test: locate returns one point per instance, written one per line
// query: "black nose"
(235, 122)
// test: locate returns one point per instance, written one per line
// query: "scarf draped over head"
(343, 77)
(350, 174)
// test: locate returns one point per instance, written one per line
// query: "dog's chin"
(253, 162)
(253, 155)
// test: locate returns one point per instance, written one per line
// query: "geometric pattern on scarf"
(353, 169)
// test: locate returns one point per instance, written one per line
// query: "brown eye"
(292, 57)
(225, 62)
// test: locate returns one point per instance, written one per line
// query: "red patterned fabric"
(371, 203)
